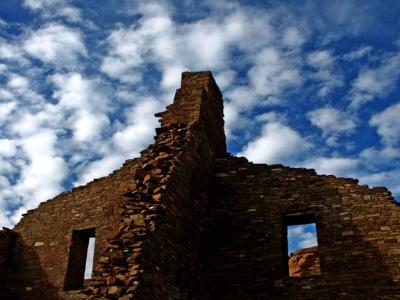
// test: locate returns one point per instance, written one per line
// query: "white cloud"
(43, 165)
(387, 123)
(88, 126)
(300, 236)
(83, 97)
(3, 23)
(272, 73)
(56, 43)
(127, 140)
(292, 37)
(5, 110)
(137, 133)
(389, 179)
(339, 166)
(376, 157)
(278, 143)
(320, 59)
(40, 4)
(358, 53)
(375, 82)
(10, 51)
(124, 56)
(8, 147)
(101, 167)
(325, 75)
(18, 82)
(332, 122)
(71, 13)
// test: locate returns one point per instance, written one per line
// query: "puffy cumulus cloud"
(157, 38)
(137, 133)
(40, 4)
(98, 168)
(18, 82)
(8, 147)
(320, 59)
(57, 44)
(292, 37)
(389, 179)
(301, 236)
(338, 166)
(127, 140)
(125, 55)
(376, 157)
(272, 72)
(324, 74)
(332, 122)
(358, 53)
(387, 123)
(6, 109)
(375, 82)
(84, 99)
(90, 103)
(42, 163)
(50, 9)
(11, 52)
(278, 143)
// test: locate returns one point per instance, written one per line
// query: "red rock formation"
(304, 262)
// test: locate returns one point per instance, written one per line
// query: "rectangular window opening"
(80, 261)
(302, 245)
(90, 258)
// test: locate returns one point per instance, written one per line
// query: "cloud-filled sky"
(306, 83)
(301, 236)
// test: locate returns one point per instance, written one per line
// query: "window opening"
(90, 258)
(302, 245)
(80, 261)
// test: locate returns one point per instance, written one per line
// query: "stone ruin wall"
(158, 252)
(358, 234)
(7, 244)
(150, 217)
(188, 221)
(40, 258)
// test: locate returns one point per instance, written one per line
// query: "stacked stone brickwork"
(358, 234)
(40, 258)
(157, 251)
(186, 220)
(7, 243)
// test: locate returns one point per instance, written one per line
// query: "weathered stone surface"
(186, 220)
(304, 262)
(7, 244)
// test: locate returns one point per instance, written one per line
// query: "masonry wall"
(150, 217)
(358, 234)
(188, 221)
(159, 251)
(7, 244)
(40, 258)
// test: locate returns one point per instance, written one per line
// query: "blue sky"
(306, 83)
(301, 236)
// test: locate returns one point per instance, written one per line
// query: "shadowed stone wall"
(358, 234)
(40, 257)
(188, 221)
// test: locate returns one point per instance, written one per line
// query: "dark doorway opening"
(77, 261)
